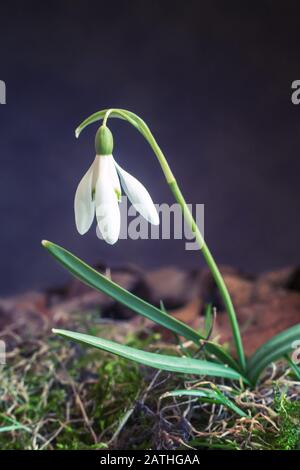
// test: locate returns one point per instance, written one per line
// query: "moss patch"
(55, 394)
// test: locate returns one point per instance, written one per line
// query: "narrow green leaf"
(98, 281)
(293, 366)
(158, 361)
(13, 426)
(274, 349)
(208, 324)
(213, 396)
(10, 428)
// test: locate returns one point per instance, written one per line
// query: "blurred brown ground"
(265, 305)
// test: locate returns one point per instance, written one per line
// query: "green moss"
(288, 437)
(56, 394)
(66, 389)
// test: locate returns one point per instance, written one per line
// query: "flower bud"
(104, 141)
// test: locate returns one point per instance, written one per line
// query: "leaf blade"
(274, 349)
(157, 361)
(293, 366)
(217, 396)
(98, 281)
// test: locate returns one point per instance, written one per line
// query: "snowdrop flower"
(99, 192)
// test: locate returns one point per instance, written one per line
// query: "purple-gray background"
(213, 81)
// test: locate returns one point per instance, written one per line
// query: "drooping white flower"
(99, 192)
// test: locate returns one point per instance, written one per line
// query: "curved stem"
(215, 272)
(106, 116)
(142, 127)
(205, 250)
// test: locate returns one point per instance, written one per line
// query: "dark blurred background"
(213, 81)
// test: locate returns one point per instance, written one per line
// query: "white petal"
(107, 207)
(138, 195)
(115, 177)
(84, 205)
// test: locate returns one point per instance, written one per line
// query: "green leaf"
(274, 349)
(209, 320)
(293, 366)
(10, 428)
(98, 281)
(14, 426)
(208, 395)
(158, 361)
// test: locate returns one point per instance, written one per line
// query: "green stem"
(205, 250)
(142, 127)
(215, 272)
(108, 112)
